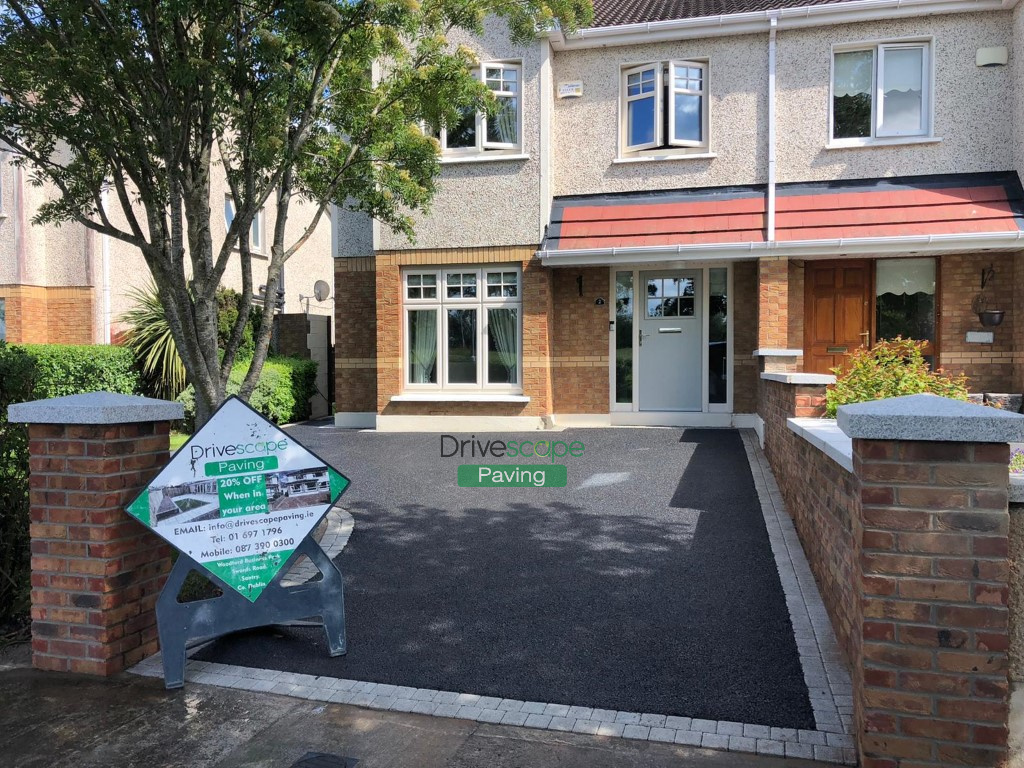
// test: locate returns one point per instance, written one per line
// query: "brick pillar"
(96, 572)
(930, 679)
(773, 303)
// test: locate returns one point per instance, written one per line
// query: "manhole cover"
(323, 760)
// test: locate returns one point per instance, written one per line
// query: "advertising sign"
(239, 497)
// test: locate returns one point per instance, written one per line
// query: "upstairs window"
(255, 230)
(664, 105)
(476, 132)
(881, 92)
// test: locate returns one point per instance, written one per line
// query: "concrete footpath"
(60, 720)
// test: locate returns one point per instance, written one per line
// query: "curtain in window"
(504, 328)
(423, 346)
(504, 126)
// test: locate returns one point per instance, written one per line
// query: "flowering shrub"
(891, 368)
(1017, 461)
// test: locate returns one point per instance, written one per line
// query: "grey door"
(670, 341)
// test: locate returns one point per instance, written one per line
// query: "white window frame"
(482, 145)
(877, 49)
(625, 100)
(703, 93)
(481, 303)
(256, 246)
(668, 145)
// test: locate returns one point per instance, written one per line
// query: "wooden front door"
(837, 311)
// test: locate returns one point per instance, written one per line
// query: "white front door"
(670, 304)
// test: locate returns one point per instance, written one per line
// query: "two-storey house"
(668, 204)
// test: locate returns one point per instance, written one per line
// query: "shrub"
(891, 368)
(18, 379)
(68, 369)
(149, 336)
(1017, 461)
(282, 394)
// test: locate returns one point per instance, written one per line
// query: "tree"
(320, 100)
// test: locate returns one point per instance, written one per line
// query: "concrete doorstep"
(60, 720)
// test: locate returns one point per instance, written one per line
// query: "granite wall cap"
(95, 408)
(929, 418)
(797, 377)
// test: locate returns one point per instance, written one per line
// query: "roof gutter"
(804, 249)
(760, 21)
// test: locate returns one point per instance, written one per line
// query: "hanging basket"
(989, 318)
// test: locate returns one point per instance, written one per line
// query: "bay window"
(463, 329)
(881, 92)
(664, 106)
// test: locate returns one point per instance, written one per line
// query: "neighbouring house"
(70, 285)
(668, 204)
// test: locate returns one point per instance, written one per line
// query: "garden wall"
(819, 495)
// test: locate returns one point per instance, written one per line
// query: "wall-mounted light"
(996, 56)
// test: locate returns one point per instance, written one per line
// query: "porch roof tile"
(920, 205)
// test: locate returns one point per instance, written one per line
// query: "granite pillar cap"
(95, 408)
(929, 418)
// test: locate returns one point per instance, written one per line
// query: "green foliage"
(70, 369)
(149, 337)
(1017, 461)
(18, 380)
(229, 303)
(891, 368)
(282, 394)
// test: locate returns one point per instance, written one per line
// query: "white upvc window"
(463, 329)
(478, 133)
(881, 91)
(255, 230)
(664, 105)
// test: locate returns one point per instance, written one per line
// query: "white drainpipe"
(770, 222)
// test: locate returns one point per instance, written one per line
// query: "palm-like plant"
(149, 337)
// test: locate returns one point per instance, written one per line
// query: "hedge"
(282, 394)
(66, 369)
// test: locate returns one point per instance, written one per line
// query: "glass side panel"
(462, 346)
(502, 346)
(623, 337)
(422, 346)
(718, 336)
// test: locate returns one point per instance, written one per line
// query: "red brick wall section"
(36, 314)
(820, 497)
(96, 572)
(1018, 312)
(989, 366)
(796, 305)
(580, 338)
(292, 332)
(355, 332)
(773, 303)
(933, 681)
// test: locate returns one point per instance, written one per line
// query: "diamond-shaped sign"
(239, 497)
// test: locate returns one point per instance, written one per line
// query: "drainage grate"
(323, 760)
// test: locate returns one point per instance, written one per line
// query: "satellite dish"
(321, 290)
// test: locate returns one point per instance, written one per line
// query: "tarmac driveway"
(647, 584)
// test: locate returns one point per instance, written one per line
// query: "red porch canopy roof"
(924, 205)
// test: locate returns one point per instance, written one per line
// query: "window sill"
(664, 158)
(481, 158)
(459, 397)
(893, 142)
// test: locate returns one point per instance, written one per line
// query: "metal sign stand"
(177, 623)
